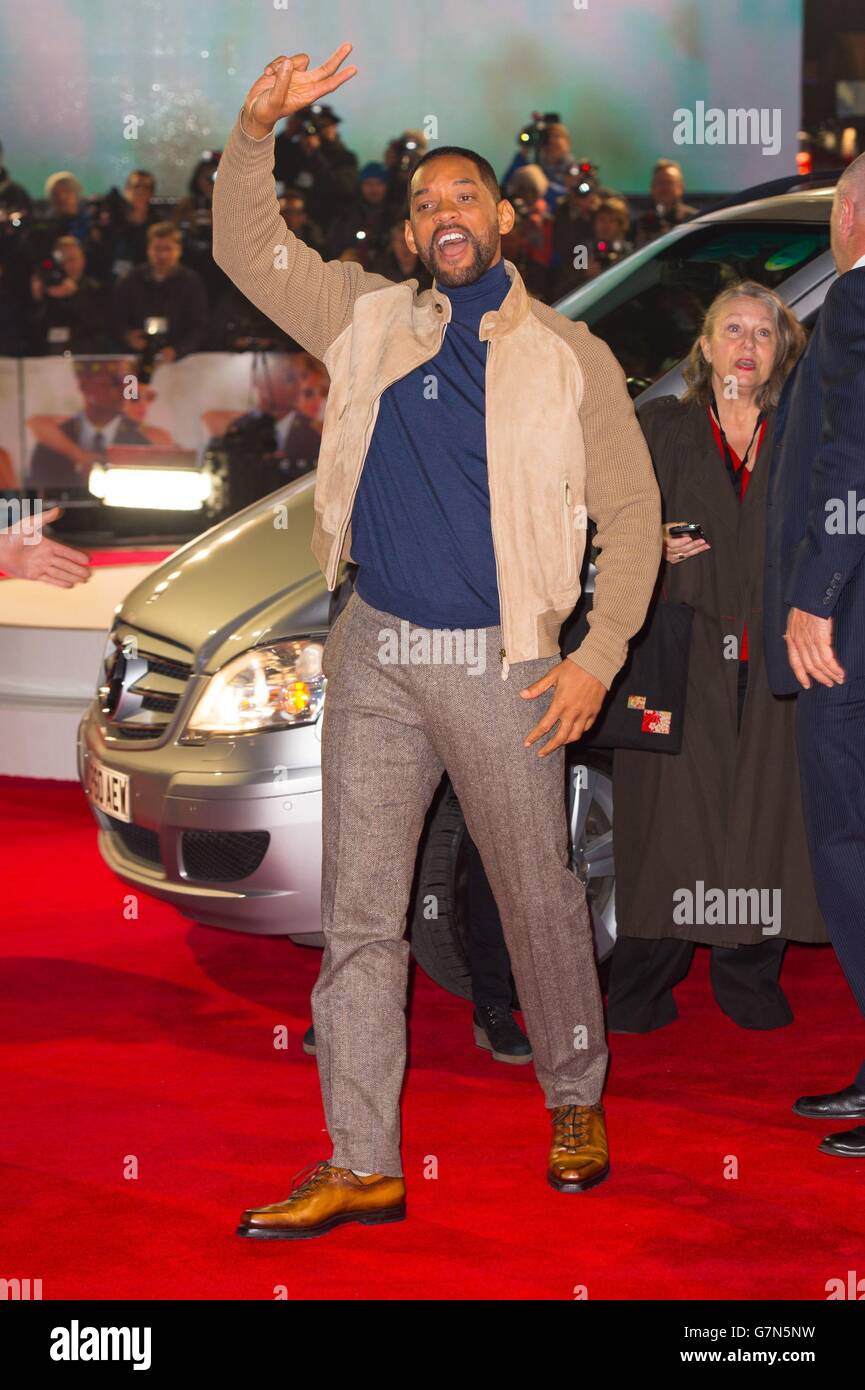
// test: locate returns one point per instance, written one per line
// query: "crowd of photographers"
(130, 270)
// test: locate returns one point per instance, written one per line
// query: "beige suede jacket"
(563, 440)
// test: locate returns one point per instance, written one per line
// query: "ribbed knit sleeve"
(309, 298)
(623, 500)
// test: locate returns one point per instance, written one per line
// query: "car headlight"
(273, 687)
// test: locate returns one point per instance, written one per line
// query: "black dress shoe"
(848, 1104)
(847, 1143)
(309, 1041)
(497, 1031)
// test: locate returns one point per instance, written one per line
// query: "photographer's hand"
(286, 86)
(63, 290)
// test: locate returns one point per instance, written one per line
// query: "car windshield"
(649, 307)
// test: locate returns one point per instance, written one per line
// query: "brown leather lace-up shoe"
(323, 1197)
(579, 1158)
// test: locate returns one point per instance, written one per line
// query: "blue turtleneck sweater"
(420, 525)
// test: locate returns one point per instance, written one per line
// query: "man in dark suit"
(814, 600)
(99, 424)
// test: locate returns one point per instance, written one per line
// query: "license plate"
(109, 790)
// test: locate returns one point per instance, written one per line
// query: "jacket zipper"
(344, 527)
(503, 656)
(567, 524)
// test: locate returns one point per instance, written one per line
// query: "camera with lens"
(156, 330)
(606, 253)
(12, 221)
(403, 153)
(245, 460)
(50, 271)
(582, 177)
(533, 136)
(520, 206)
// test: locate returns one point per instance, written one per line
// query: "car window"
(650, 306)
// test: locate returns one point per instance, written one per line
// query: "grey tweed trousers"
(391, 728)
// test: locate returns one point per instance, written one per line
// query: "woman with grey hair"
(710, 844)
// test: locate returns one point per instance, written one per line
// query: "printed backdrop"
(187, 404)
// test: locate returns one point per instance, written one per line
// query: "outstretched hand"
(25, 553)
(287, 85)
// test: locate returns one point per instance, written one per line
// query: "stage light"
(154, 489)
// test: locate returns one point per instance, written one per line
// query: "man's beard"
(483, 251)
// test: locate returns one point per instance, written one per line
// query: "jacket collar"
(495, 322)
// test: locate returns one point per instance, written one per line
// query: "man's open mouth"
(450, 244)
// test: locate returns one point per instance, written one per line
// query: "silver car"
(201, 752)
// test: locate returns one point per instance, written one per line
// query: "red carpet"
(152, 1041)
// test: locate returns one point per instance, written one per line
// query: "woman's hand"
(679, 548)
(286, 86)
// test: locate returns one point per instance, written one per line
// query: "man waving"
(469, 433)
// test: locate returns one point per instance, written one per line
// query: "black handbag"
(645, 708)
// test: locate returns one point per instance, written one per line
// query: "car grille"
(136, 840)
(149, 680)
(217, 856)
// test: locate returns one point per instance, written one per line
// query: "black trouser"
(744, 981)
(830, 735)
(644, 972)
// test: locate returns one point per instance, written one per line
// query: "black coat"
(179, 298)
(726, 811)
(83, 317)
(326, 177)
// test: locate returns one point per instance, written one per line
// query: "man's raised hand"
(287, 85)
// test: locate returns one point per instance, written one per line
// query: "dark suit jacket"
(818, 462)
(49, 469)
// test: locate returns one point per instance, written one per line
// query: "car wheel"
(438, 914)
